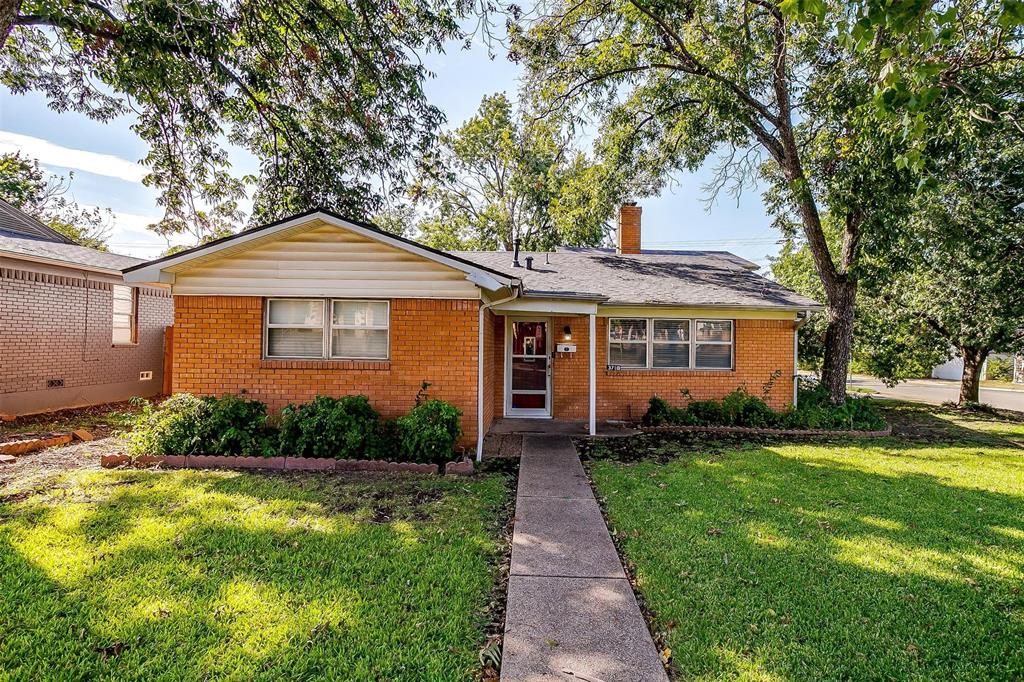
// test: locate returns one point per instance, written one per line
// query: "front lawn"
(900, 558)
(209, 575)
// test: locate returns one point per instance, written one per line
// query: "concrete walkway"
(571, 612)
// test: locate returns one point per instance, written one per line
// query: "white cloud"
(50, 154)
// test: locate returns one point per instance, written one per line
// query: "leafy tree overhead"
(326, 94)
(775, 86)
(501, 177)
(43, 196)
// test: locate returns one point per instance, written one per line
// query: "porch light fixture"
(568, 333)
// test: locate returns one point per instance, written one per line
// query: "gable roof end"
(162, 269)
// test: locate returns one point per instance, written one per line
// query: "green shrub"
(738, 408)
(186, 425)
(429, 432)
(342, 428)
(999, 369)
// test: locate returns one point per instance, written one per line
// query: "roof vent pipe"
(515, 253)
(529, 262)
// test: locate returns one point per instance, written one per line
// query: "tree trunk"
(839, 339)
(970, 384)
(8, 13)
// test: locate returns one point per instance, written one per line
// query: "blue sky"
(104, 156)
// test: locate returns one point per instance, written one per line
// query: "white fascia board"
(547, 305)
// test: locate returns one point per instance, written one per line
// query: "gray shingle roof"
(16, 223)
(72, 254)
(694, 278)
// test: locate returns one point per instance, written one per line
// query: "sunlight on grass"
(193, 575)
(888, 559)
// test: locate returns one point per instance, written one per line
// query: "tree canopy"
(502, 176)
(776, 90)
(24, 185)
(326, 94)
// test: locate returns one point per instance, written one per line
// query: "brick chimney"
(629, 228)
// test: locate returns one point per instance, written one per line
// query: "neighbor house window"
(670, 343)
(627, 342)
(124, 328)
(359, 329)
(316, 328)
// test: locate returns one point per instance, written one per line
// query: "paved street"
(935, 391)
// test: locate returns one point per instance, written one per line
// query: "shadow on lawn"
(197, 575)
(766, 562)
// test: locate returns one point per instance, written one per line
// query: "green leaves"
(327, 96)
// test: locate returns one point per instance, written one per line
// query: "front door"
(528, 369)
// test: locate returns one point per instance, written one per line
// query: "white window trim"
(267, 326)
(693, 343)
(646, 342)
(689, 351)
(133, 325)
(331, 327)
(327, 327)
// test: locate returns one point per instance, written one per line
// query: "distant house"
(953, 369)
(321, 304)
(72, 332)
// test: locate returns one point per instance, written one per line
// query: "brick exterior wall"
(218, 350)
(57, 325)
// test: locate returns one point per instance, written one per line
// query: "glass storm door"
(529, 385)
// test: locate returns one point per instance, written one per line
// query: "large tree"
(502, 176)
(672, 83)
(44, 196)
(952, 282)
(326, 94)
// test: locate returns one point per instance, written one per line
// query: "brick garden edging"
(887, 431)
(21, 447)
(464, 467)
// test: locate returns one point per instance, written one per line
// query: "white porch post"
(480, 386)
(593, 374)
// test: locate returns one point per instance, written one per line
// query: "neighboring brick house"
(72, 332)
(318, 304)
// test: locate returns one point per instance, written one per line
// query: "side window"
(125, 312)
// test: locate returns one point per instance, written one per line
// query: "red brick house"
(72, 332)
(318, 304)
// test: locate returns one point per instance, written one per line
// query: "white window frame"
(133, 324)
(267, 326)
(326, 328)
(731, 343)
(654, 340)
(693, 344)
(331, 327)
(646, 341)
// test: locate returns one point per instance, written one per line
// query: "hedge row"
(814, 411)
(340, 428)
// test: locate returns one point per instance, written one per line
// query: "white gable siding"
(324, 261)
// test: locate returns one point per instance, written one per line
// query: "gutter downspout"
(480, 371)
(796, 347)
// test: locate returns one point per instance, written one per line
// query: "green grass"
(900, 558)
(216, 575)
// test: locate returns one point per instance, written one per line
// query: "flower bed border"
(27, 445)
(462, 468)
(887, 431)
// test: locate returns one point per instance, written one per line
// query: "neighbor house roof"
(60, 253)
(690, 278)
(16, 223)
